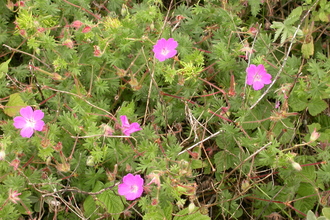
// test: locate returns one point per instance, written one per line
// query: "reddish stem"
(84, 9)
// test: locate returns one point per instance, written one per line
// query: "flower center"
(30, 123)
(257, 77)
(134, 188)
(165, 51)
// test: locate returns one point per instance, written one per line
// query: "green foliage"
(207, 139)
(286, 28)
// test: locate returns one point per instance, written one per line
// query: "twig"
(211, 136)
(252, 155)
(79, 191)
(31, 55)
(84, 9)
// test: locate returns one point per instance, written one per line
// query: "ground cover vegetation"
(150, 109)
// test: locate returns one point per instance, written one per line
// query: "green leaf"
(305, 204)
(112, 202)
(286, 29)
(297, 104)
(90, 207)
(183, 215)
(14, 104)
(305, 189)
(316, 106)
(314, 68)
(197, 164)
(326, 212)
(255, 6)
(223, 160)
(89, 203)
(311, 216)
(307, 49)
(4, 68)
(294, 16)
(310, 176)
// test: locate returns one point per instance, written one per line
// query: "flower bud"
(15, 163)
(2, 155)
(191, 207)
(90, 161)
(86, 29)
(68, 43)
(314, 136)
(245, 185)
(65, 167)
(76, 24)
(296, 166)
(56, 76)
(154, 202)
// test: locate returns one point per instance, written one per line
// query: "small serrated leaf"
(255, 7)
(14, 104)
(294, 16)
(279, 26)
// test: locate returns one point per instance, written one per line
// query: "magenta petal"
(261, 69)
(124, 121)
(123, 189)
(19, 122)
(133, 128)
(27, 132)
(171, 54)
(132, 196)
(38, 115)
(266, 79)
(171, 44)
(159, 45)
(39, 125)
(258, 85)
(128, 179)
(139, 180)
(251, 70)
(160, 57)
(27, 112)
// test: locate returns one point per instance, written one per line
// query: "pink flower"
(132, 186)
(13, 196)
(29, 121)
(165, 49)
(128, 128)
(257, 76)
